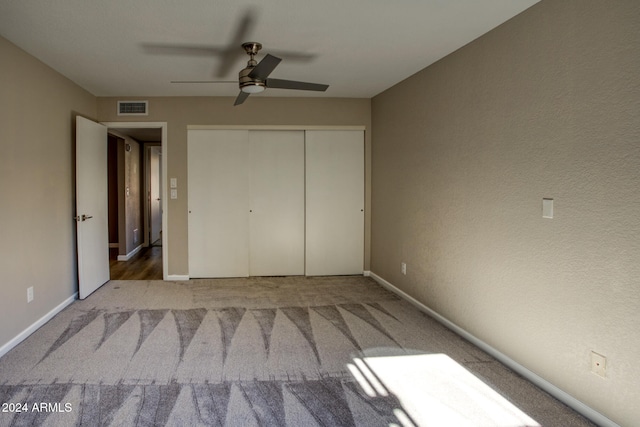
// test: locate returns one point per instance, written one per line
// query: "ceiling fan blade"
(291, 56)
(264, 67)
(242, 96)
(232, 53)
(181, 49)
(205, 81)
(292, 84)
(245, 27)
(228, 59)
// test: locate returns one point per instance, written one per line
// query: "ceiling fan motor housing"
(249, 84)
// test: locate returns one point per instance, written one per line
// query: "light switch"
(547, 208)
(174, 183)
(174, 193)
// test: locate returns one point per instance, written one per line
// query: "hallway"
(145, 265)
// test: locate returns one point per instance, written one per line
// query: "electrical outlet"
(598, 364)
(404, 268)
(30, 294)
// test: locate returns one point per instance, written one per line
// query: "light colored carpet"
(290, 351)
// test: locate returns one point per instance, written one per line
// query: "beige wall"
(37, 231)
(545, 106)
(179, 112)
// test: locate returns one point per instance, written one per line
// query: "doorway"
(137, 246)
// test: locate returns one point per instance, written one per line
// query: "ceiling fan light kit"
(253, 88)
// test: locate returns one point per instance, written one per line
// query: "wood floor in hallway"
(145, 265)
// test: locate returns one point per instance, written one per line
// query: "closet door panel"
(334, 202)
(218, 199)
(276, 231)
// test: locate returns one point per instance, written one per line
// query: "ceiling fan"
(254, 78)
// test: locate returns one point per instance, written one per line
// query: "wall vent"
(133, 108)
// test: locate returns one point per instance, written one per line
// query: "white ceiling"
(359, 47)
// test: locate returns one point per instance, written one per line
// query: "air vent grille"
(133, 108)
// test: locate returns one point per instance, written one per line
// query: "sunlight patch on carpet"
(435, 390)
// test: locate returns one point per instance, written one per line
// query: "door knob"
(86, 217)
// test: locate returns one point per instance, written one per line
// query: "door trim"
(165, 210)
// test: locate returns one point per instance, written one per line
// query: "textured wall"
(133, 189)
(546, 105)
(37, 187)
(179, 112)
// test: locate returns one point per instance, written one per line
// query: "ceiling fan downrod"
(248, 84)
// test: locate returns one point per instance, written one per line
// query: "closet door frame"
(269, 127)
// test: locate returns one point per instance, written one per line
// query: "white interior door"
(91, 206)
(276, 219)
(218, 199)
(334, 202)
(155, 181)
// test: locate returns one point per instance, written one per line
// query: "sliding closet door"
(276, 218)
(334, 202)
(218, 172)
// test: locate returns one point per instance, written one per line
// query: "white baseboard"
(130, 255)
(34, 327)
(177, 277)
(366, 273)
(545, 385)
